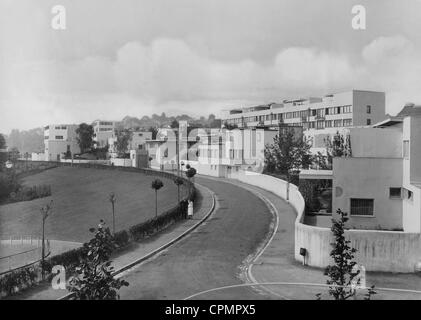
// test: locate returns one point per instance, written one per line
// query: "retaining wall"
(388, 251)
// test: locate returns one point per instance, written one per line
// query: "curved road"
(211, 256)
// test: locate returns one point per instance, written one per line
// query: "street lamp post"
(46, 212)
(113, 200)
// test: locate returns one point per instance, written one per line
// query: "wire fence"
(19, 251)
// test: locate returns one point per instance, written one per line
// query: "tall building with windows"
(103, 130)
(339, 110)
(60, 139)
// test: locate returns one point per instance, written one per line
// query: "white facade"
(379, 186)
(58, 140)
(345, 109)
(103, 130)
(224, 152)
(137, 142)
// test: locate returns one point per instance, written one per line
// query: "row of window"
(321, 112)
(105, 123)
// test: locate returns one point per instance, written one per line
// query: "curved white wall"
(389, 251)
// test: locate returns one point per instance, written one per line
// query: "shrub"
(8, 183)
(30, 193)
(121, 238)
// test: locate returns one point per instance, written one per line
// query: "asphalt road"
(211, 256)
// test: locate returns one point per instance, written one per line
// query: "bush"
(18, 279)
(121, 238)
(30, 193)
(8, 183)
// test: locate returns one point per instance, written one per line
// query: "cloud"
(169, 75)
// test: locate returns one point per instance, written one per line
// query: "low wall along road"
(388, 251)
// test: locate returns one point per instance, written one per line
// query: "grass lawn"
(80, 198)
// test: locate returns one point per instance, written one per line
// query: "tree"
(84, 137)
(338, 146)
(342, 273)
(94, 276)
(2, 142)
(122, 143)
(287, 154)
(229, 126)
(3, 153)
(174, 124)
(156, 185)
(154, 131)
(178, 181)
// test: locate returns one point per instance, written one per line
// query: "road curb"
(165, 246)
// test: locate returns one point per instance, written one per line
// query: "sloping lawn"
(81, 199)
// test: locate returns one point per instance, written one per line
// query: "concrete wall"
(388, 251)
(361, 99)
(35, 156)
(77, 161)
(368, 178)
(120, 162)
(376, 142)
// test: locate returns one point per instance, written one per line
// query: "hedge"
(26, 277)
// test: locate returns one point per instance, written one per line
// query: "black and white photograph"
(233, 152)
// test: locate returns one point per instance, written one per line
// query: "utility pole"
(112, 200)
(46, 212)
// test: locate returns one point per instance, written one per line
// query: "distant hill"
(164, 121)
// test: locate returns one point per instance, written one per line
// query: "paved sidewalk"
(125, 258)
(277, 264)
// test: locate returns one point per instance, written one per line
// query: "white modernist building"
(103, 130)
(58, 140)
(379, 185)
(339, 110)
(137, 142)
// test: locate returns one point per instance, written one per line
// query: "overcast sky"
(135, 57)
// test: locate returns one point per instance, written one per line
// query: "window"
(395, 193)
(328, 123)
(406, 149)
(346, 109)
(368, 122)
(46, 137)
(368, 109)
(320, 124)
(347, 122)
(337, 123)
(59, 137)
(362, 207)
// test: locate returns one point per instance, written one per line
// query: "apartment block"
(339, 110)
(103, 130)
(60, 139)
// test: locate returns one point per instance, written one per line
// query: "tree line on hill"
(28, 141)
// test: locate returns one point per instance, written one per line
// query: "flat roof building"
(345, 109)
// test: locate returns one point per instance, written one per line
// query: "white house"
(58, 140)
(380, 185)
